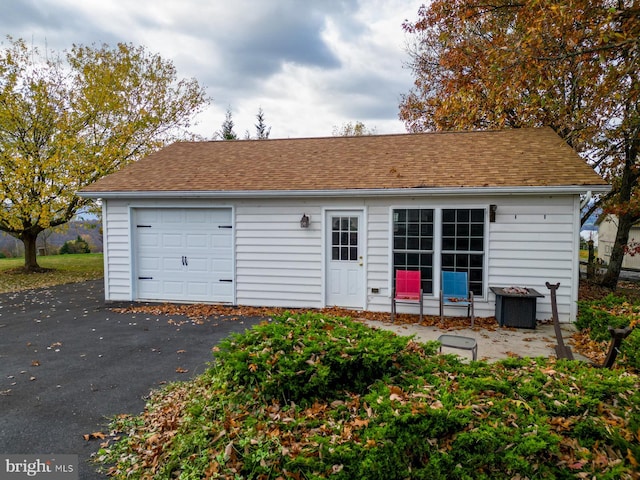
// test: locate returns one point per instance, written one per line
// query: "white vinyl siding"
(117, 248)
(378, 258)
(533, 242)
(278, 263)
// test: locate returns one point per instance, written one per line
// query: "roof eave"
(536, 190)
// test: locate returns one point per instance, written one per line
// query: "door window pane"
(344, 238)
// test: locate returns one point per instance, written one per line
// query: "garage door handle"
(225, 280)
(145, 278)
(185, 262)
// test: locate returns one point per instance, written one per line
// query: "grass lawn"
(64, 269)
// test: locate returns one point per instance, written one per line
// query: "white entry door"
(183, 254)
(345, 259)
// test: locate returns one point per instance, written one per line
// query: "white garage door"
(183, 254)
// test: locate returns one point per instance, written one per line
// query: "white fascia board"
(374, 192)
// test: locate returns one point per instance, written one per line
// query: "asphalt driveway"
(68, 363)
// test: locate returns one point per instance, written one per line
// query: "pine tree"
(227, 133)
(262, 131)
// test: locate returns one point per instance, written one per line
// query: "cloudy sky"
(311, 65)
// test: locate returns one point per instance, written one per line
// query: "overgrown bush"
(308, 397)
(308, 357)
(79, 245)
(612, 311)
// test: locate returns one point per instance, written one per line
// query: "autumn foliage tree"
(350, 129)
(66, 121)
(571, 65)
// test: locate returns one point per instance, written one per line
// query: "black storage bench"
(516, 306)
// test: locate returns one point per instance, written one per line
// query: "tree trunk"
(30, 259)
(626, 217)
(610, 278)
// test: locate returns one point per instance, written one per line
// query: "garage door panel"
(222, 266)
(146, 215)
(148, 264)
(147, 239)
(198, 216)
(219, 253)
(172, 216)
(172, 264)
(223, 289)
(198, 288)
(172, 240)
(183, 255)
(198, 265)
(149, 288)
(173, 289)
(221, 241)
(200, 240)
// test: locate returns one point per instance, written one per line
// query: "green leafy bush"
(597, 316)
(308, 357)
(311, 397)
(616, 312)
(79, 245)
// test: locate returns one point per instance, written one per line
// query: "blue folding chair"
(455, 292)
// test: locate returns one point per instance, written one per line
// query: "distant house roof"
(504, 159)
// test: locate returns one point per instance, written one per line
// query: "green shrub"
(596, 316)
(616, 312)
(79, 245)
(308, 357)
(312, 397)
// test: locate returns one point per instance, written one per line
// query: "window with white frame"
(413, 230)
(461, 243)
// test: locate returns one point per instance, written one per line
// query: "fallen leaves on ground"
(94, 436)
(593, 350)
(199, 313)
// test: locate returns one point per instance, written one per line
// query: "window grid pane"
(463, 244)
(413, 243)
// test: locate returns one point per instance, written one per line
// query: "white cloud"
(309, 65)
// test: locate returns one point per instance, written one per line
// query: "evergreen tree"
(227, 133)
(262, 131)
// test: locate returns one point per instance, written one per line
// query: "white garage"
(183, 254)
(317, 222)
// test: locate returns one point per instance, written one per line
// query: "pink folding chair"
(407, 289)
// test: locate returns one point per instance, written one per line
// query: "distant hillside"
(50, 241)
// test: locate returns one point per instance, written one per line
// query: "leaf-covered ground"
(199, 313)
(310, 396)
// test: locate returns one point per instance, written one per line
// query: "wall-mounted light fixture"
(304, 221)
(492, 213)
